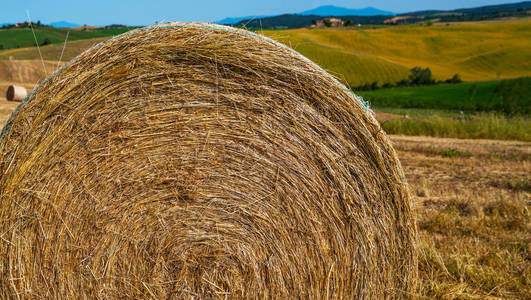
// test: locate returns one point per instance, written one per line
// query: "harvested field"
(25, 71)
(473, 199)
(7, 107)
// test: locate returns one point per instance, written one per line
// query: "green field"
(487, 110)
(444, 96)
(23, 37)
(507, 96)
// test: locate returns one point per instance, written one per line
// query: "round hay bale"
(200, 161)
(16, 93)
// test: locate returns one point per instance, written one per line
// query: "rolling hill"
(51, 52)
(476, 52)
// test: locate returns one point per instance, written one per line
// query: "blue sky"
(137, 12)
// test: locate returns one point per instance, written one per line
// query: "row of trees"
(24, 25)
(417, 77)
(510, 97)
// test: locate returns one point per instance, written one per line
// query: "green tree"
(512, 97)
(420, 76)
(455, 79)
(46, 41)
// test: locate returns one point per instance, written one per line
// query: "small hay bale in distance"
(16, 93)
(200, 161)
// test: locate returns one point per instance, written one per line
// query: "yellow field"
(477, 52)
(26, 71)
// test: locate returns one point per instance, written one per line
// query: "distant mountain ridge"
(322, 11)
(289, 21)
(331, 10)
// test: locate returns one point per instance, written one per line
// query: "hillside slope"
(476, 51)
(25, 71)
(51, 52)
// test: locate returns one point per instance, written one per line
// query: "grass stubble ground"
(473, 201)
(473, 204)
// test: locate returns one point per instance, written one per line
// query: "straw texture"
(188, 161)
